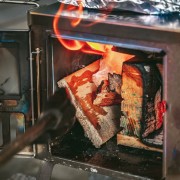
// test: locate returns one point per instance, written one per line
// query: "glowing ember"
(110, 63)
(97, 46)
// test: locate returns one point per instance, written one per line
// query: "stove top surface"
(162, 22)
(13, 16)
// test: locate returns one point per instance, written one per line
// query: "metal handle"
(37, 59)
(38, 79)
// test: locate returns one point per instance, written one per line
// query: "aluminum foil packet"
(138, 6)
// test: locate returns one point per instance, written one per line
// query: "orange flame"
(113, 60)
(69, 44)
(74, 45)
(75, 22)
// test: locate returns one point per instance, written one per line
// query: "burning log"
(107, 91)
(137, 91)
(135, 142)
(98, 90)
(141, 93)
(108, 77)
(99, 123)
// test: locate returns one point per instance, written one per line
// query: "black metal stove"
(129, 32)
(15, 97)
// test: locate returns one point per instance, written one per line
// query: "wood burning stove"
(15, 98)
(154, 38)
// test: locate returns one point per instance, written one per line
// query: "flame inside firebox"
(73, 45)
(112, 60)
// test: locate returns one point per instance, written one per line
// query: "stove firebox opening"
(119, 98)
(117, 91)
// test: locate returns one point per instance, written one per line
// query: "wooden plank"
(134, 142)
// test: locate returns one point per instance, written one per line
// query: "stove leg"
(45, 171)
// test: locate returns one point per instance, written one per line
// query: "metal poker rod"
(58, 115)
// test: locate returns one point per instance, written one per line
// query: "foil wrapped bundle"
(138, 6)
